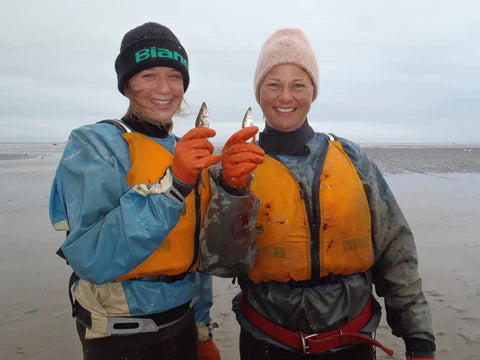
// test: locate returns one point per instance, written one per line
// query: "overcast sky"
(390, 71)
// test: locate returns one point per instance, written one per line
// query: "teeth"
(285, 110)
(161, 102)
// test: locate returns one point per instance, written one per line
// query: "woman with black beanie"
(128, 194)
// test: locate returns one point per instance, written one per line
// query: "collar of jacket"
(146, 128)
(286, 143)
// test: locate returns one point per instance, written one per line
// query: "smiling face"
(156, 93)
(286, 94)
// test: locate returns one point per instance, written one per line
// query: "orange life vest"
(344, 240)
(176, 254)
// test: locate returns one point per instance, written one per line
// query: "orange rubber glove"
(240, 158)
(192, 154)
(208, 350)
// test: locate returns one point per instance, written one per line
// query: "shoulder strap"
(330, 136)
(119, 124)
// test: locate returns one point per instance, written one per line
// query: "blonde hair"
(134, 110)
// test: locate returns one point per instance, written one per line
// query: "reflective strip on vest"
(176, 253)
(345, 227)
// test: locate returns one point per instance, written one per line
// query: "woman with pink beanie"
(320, 229)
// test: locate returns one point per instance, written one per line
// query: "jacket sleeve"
(112, 228)
(228, 237)
(203, 297)
(395, 269)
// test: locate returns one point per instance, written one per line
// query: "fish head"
(248, 118)
(248, 121)
(202, 117)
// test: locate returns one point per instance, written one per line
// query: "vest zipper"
(313, 226)
(316, 218)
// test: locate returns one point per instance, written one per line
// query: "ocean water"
(29, 150)
(390, 158)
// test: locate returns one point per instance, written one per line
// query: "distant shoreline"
(420, 145)
(390, 158)
(7, 144)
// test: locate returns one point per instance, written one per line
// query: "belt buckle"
(304, 340)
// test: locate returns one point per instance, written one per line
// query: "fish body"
(202, 121)
(202, 117)
(248, 121)
(248, 118)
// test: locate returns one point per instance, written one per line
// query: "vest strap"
(315, 343)
(119, 124)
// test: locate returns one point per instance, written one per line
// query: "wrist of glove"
(419, 349)
(183, 188)
(233, 190)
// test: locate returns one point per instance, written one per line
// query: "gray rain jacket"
(228, 248)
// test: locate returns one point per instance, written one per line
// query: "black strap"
(198, 218)
(59, 252)
(73, 278)
(316, 215)
(162, 278)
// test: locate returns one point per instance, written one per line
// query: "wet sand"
(438, 189)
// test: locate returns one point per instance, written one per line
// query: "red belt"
(315, 343)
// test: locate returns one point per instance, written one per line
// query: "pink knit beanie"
(286, 46)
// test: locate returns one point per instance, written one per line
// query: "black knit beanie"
(146, 46)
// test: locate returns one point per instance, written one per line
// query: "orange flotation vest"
(178, 253)
(344, 242)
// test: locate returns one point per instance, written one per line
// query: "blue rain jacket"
(113, 228)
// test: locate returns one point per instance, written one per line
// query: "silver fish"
(248, 121)
(202, 117)
(202, 121)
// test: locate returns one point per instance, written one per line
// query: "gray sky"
(390, 71)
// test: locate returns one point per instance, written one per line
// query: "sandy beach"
(438, 188)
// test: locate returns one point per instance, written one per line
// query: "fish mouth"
(285, 110)
(161, 102)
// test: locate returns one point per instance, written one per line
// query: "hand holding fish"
(240, 158)
(193, 153)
